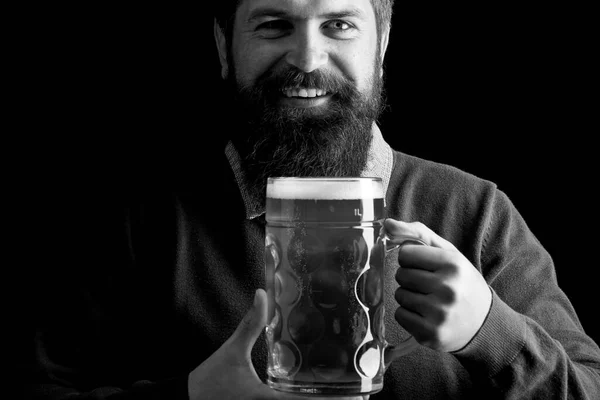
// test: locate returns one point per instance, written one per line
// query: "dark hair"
(224, 12)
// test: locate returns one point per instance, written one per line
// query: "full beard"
(332, 140)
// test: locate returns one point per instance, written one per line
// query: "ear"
(221, 43)
(385, 38)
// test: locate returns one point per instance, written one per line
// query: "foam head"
(324, 188)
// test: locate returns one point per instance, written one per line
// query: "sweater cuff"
(498, 342)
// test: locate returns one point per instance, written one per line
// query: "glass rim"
(324, 178)
(325, 188)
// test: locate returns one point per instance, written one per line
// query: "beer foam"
(325, 188)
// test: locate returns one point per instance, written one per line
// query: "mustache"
(272, 83)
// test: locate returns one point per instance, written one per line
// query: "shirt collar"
(379, 164)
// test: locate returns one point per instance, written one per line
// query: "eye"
(274, 28)
(340, 29)
(339, 25)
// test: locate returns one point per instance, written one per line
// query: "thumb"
(252, 324)
(415, 232)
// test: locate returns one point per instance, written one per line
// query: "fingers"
(417, 279)
(415, 302)
(425, 305)
(426, 258)
(400, 229)
(252, 324)
(413, 322)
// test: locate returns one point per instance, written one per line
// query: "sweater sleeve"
(532, 344)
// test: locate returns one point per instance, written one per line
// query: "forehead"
(304, 9)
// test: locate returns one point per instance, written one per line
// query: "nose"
(308, 53)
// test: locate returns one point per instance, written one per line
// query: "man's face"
(306, 75)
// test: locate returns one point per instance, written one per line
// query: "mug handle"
(395, 351)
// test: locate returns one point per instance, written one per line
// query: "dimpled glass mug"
(324, 258)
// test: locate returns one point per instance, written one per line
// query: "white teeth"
(304, 92)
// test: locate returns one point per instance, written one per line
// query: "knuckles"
(447, 294)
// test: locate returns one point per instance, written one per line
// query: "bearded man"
(169, 300)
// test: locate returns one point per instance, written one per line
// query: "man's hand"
(229, 373)
(443, 298)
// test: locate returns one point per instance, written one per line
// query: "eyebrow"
(263, 12)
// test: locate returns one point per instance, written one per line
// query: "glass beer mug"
(324, 259)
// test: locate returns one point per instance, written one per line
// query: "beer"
(324, 280)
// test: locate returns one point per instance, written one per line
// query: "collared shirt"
(379, 164)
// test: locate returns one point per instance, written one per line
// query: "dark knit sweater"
(145, 284)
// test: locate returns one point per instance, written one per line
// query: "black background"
(506, 92)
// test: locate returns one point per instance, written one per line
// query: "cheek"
(360, 66)
(252, 62)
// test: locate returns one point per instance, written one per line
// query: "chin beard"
(332, 140)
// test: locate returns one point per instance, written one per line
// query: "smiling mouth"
(301, 92)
